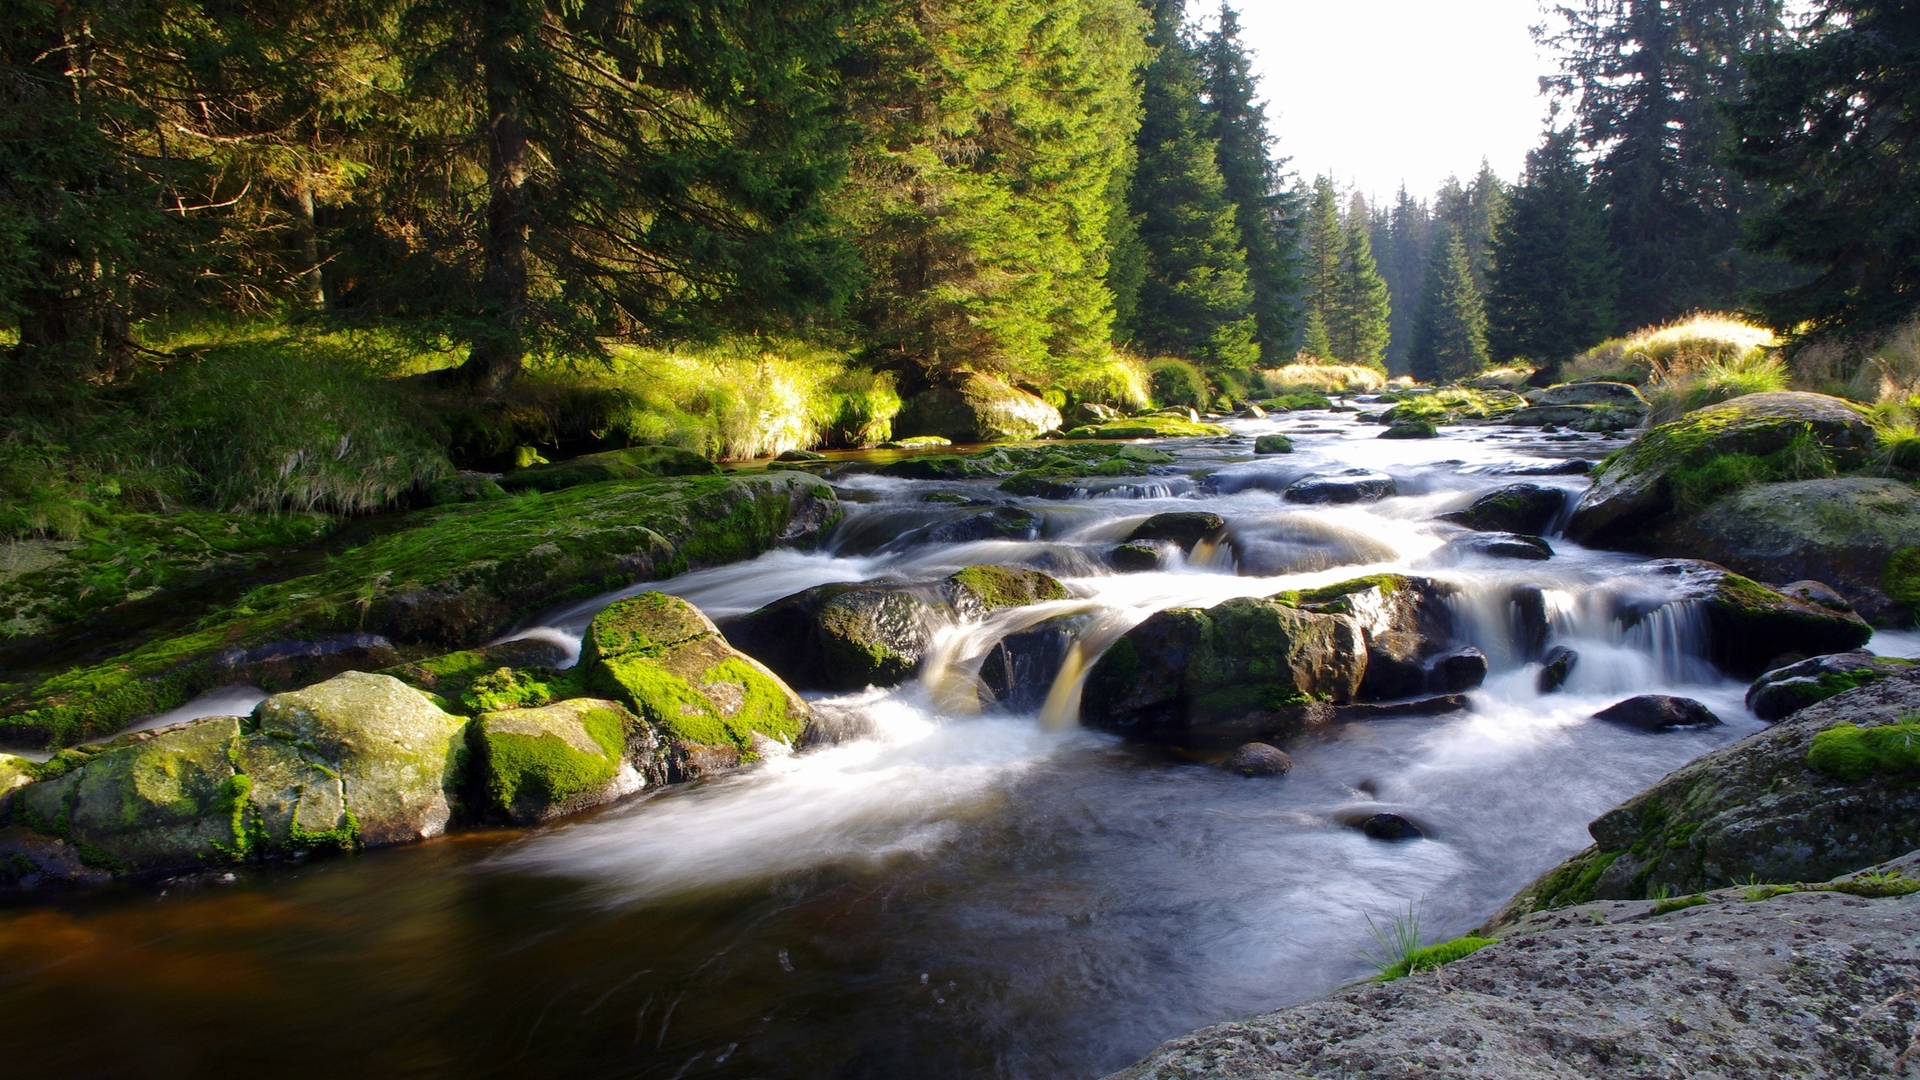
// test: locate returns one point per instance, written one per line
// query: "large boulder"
(1633, 490)
(1750, 627)
(977, 408)
(1658, 712)
(713, 704)
(1407, 625)
(1784, 691)
(1184, 528)
(539, 764)
(397, 757)
(1244, 667)
(842, 636)
(1783, 805)
(1529, 509)
(1021, 668)
(978, 590)
(1347, 486)
(1843, 531)
(1617, 394)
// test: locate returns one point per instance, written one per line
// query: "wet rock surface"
(1750, 626)
(1658, 712)
(1350, 486)
(1782, 692)
(1184, 528)
(1517, 508)
(1498, 545)
(1258, 759)
(977, 408)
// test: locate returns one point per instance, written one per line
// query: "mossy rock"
(449, 578)
(977, 590)
(1784, 691)
(1634, 489)
(1528, 509)
(663, 658)
(976, 407)
(542, 763)
(1769, 808)
(1751, 627)
(1184, 528)
(1247, 668)
(1412, 429)
(1272, 444)
(1148, 427)
(15, 772)
(464, 489)
(1599, 392)
(1847, 532)
(1450, 405)
(399, 758)
(634, 463)
(452, 676)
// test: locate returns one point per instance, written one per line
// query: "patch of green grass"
(1299, 401)
(1176, 382)
(1697, 486)
(1665, 907)
(1396, 951)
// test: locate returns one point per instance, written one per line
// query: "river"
(967, 892)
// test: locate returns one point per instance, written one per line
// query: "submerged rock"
(539, 764)
(664, 659)
(1633, 490)
(977, 407)
(1258, 759)
(1246, 666)
(1389, 827)
(999, 523)
(1658, 712)
(1184, 528)
(1529, 509)
(1782, 692)
(1411, 429)
(1350, 486)
(1778, 806)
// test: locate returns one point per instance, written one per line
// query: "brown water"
(964, 894)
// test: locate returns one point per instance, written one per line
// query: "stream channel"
(966, 892)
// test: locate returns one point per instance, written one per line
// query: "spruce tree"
(1266, 211)
(1450, 338)
(1554, 278)
(1833, 125)
(1314, 339)
(1358, 327)
(1403, 262)
(1195, 300)
(1322, 241)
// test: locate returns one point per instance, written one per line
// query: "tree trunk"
(314, 284)
(498, 350)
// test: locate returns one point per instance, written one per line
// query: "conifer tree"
(1195, 300)
(1553, 279)
(1322, 242)
(1403, 262)
(1486, 207)
(1314, 340)
(1265, 209)
(1358, 327)
(1450, 337)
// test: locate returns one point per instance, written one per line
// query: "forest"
(260, 256)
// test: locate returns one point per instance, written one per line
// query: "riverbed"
(969, 891)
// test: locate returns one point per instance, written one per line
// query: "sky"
(1376, 92)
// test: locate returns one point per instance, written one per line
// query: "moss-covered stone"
(663, 658)
(1147, 427)
(1453, 404)
(1784, 691)
(634, 463)
(452, 578)
(1411, 429)
(1633, 489)
(1751, 627)
(539, 764)
(976, 407)
(1850, 752)
(464, 489)
(1184, 528)
(1528, 509)
(981, 589)
(1272, 444)
(400, 759)
(15, 772)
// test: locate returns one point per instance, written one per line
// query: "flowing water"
(968, 892)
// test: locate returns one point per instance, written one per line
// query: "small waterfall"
(1062, 707)
(1627, 640)
(1676, 635)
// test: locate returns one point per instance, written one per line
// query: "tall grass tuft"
(1120, 381)
(1896, 430)
(1324, 378)
(1677, 349)
(1675, 392)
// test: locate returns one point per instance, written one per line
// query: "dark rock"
(1460, 670)
(1750, 625)
(1020, 669)
(1091, 413)
(1619, 395)
(1577, 417)
(1784, 691)
(1632, 491)
(1184, 528)
(1438, 705)
(1517, 508)
(1658, 712)
(1527, 619)
(1272, 444)
(1411, 429)
(1242, 668)
(1389, 827)
(1130, 558)
(978, 590)
(299, 661)
(31, 861)
(1396, 666)
(1555, 667)
(1816, 592)
(1498, 545)
(1258, 759)
(1570, 467)
(834, 725)
(999, 523)
(1350, 486)
(842, 636)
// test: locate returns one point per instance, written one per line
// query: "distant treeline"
(1015, 186)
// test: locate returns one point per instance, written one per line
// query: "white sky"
(1380, 91)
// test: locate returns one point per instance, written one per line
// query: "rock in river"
(1350, 486)
(1517, 508)
(540, 764)
(1185, 528)
(1258, 759)
(1750, 627)
(842, 636)
(1784, 691)
(1658, 712)
(976, 407)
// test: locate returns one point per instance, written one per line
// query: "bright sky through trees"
(1381, 91)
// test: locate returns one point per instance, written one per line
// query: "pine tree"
(1195, 301)
(1553, 279)
(1833, 126)
(1450, 338)
(1314, 340)
(1644, 79)
(1266, 211)
(1358, 327)
(1486, 208)
(1322, 241)
(1404, 264)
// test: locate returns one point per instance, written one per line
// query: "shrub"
(1176, 382)
(1715, 381)
(1324, 378)
(1120, 381)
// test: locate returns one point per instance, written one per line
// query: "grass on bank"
(1396, 951)
(1322, 378)
(1673, 351)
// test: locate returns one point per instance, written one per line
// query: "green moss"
(1411, 429)
(1852, 753)
(343, 837)
(1680, 904)
(1249, 696)
(1147, 427)
(1272, 444)
(1331, 599)
(549, 769)
(1901, 578)
(998, 587)
(1300, 401)
(1876, 884)
(1453, 404)
(1574, 881)
(508, 688)
(681, 709)
(1433, 956)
